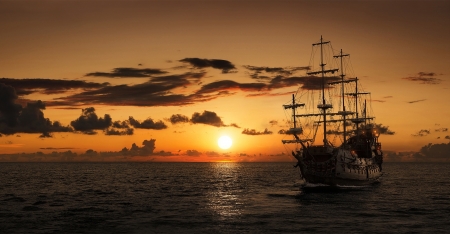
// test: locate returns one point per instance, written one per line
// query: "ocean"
(217, 198)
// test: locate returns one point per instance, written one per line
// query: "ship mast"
(324, 106)
(356, 106)
(341, 55)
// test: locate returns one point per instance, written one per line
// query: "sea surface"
(217, 198)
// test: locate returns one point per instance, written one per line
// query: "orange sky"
(64, 52)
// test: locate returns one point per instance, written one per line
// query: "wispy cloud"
(441, 130)
(253, 132)
(421, 133)
(224, 65)
(128, 72)
(266, 73)
(421, 100)
(424, 78)
(48, 86)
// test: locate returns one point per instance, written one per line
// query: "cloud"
(55, 148)
(421, 133)
(193, 153)
(441, 130)
(147, 124)
(115, 132)
(286, 71)
(223, 85)
(307, 82)
(158, 91)
(421, 100)
(447, 137)
(178, 118)
(212, 154)
(434, 152)
(207, 117)
(48, 86)
(224, 65)
(424, 78)
(146, 150)
(381, 129)
(45, 135)
(233, 125)
(273, 122)
(148, 146)
(121, 124)
(89, 121)
(253, 132)
(128, 72)
(9, 110)
(283, 132)
(30, 119)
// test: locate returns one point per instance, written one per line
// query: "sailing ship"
(350, 152)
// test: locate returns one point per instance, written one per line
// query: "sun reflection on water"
(225, 197)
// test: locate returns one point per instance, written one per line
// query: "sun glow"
(225, 142)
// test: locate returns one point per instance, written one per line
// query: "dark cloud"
(148, 146)
(421, 100)
(116, 132)
(424, 78)
(283, 132)
(157, 91)
(193, 153)
(89, 121)
(121, 124)
(30, 119)
(163, 153)
(253, 132)
(178, 118)
(147, 124)
(128, 72)
(48, 86)
(268, 94)
(212, 154)
(9, 110)
(434, 152)
(45, 135)
(273, 122)
(421, 133)
(284, 71)
(233, 125)
(380, 129)
(441, 130)
(307, 82)
(224, 65)
(223, 85)
(146, 150)
(207, 117)
(54, 148)
(447, 137)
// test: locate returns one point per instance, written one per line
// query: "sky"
(163, 80)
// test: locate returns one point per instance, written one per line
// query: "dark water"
(216, 197)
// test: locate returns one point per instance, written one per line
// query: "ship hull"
(339, 167)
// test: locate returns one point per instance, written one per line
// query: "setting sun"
(225, 142)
